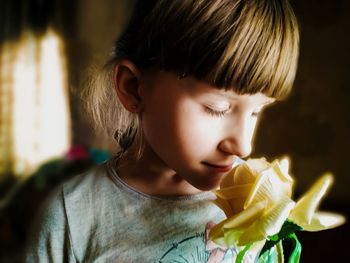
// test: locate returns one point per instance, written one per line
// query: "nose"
(238, 140)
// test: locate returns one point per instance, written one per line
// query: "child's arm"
(50, 238)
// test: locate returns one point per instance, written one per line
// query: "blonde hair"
(250, 45)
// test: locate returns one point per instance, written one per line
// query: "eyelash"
(216, 113)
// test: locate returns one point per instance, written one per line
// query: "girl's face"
(195, 129)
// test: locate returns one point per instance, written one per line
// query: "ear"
(127, 85)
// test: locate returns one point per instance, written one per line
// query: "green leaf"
(287, 229)
(241, 254)
(269, 244)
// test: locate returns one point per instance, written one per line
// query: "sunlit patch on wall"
(35, 119)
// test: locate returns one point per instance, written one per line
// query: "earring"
(133, 107)
(117, 135)
(125, 138)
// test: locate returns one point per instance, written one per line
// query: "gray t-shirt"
(96, 217)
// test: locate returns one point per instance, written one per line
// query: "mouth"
(219, 167)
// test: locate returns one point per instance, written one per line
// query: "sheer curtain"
(34, 105)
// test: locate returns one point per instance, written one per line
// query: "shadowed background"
(311, 126)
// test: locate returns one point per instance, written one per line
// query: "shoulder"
(92, 182)
(70, 214)
(73, 200)
(84, 194)
(48, 237)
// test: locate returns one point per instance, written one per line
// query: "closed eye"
(216, 113)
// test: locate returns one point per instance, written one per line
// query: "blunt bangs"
(248, 45)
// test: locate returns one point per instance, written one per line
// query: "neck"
(149, 175)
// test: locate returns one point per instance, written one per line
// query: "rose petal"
(246, 217)
(276, 217)
(228, 179)
(217, 231)
(268, 224)
(268, 186)
(282, 171)
(237, 205)
(305, 208)
(237, 191)
(230, 229)
(225, 206)
(232, 235)
(243, 174)
(258, 165)
(260, 190)
(322, 221)
(284, 165)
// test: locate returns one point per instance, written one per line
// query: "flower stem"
(242, 253)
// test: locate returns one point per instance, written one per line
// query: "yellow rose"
(256, 198)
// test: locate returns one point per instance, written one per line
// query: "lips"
(219, 167)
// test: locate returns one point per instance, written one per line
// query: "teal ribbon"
(296, 252)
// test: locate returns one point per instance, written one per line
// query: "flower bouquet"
(256, 197)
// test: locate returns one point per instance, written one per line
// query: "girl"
(182, 94)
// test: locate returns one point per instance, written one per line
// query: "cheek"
(198, 131)
(180, 133)
(155, 126)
